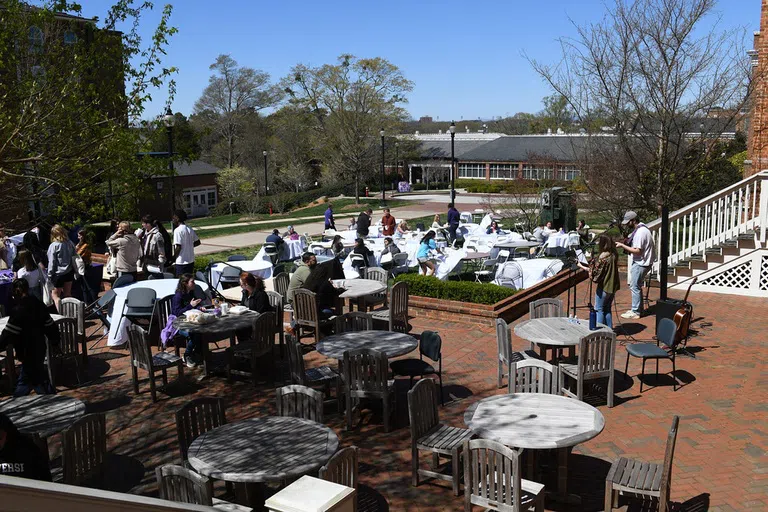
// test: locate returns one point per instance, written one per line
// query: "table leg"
(561, 495)
(252, 495)
(206, 359)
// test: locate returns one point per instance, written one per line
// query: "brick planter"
(509, 309)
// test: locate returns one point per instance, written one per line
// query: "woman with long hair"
(337, 246)
(83, 247)
(604, 272)
(61, 270)
(426, 245)
(319, 282)
(184, 300)
(254, 297)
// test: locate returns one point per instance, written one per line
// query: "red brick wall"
(757, 150)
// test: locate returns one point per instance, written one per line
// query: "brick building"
(195, 188)
(757, 145)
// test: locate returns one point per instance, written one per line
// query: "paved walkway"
(720, 464)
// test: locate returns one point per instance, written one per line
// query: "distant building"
(195, 184)
(426, 119)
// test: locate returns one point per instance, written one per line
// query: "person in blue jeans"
(604, 272)
(29, 325)
(642, 248)
(184, 300)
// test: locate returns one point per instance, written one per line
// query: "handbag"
(47, 288)
(78, 265)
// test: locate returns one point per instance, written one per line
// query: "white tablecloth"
(448, 263)
(118, 330)
(261, 268)
(289, 251)
(533, 270)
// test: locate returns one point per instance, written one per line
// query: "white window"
(569, 172)
(471, 170)
(35, 38)
(503, 171)
(538, 172)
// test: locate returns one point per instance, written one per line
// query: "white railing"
(711, 221)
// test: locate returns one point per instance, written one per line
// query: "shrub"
(462, 291)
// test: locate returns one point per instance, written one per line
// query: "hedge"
(462, 291)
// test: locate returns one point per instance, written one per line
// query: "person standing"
(61, 270)
(184, 242)
(364, 223)
(7, 250)
(640, 245)
(128, 249)
(604, 272)
(27, 329)
(330, 223)
(388, 223)
(154, 247)
(31, 273)
(453, 221)
(83, 248)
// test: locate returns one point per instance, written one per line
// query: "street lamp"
(168, 121)
(453, 185)
(383, 199)
(397, 156)
(266, 187)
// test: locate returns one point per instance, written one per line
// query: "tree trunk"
(357, 188)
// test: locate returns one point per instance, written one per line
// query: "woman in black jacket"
(254, 296)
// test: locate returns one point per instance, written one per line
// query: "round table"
(556, 331)
(266, 449)
(4, 320)
(393, 344)
(355, 288)
(257, 267)
(43, 415)
(538, 422)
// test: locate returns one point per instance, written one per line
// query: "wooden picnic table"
(393, 344)
(259, 450)
(537, 421)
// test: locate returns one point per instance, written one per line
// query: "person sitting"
(352, 224)
(493, 229)
(275, 238)
(319, 282)
(254, 296)
(337, 246)
(402, 228)
(436, 222)
(365, 252)
(291, 234)
(27, 329)
(548, 229)
(184, 300)
(20, 456)
(390, 248)
(426, 245)
(300, 275)
(539, 233)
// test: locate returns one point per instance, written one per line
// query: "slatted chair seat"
(443, 439)
(142, 357)
(321, 376)
(321, 373)
(163, 359)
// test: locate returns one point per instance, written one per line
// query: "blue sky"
(465, 57)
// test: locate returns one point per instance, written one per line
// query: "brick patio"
(720, 462)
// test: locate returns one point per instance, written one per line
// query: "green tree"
(351, 102)
(186, 139)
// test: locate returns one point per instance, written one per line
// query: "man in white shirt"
(642, 249)
(184, 242)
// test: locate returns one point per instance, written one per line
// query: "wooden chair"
(179, 484)
(281, 282)
(365, 376)
(431, 346)
(69, 348)
(507, 357)
(84, 447)
(323, 377)
(277, 302)
(354, 321)
(534, 376)
(163, 308)
(259, 347)
(397, 313)
(641, 479)
(547, 308)
(428, 434)
(197, 417)
(299, 401)
(595, 361)
(370, 301)
(142, 357)
(342, 467)
(492, 479)
(74, 308)
(306, 314)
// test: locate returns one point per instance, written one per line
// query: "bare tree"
(435, 170)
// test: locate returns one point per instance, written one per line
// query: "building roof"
(521, 148)
(442, 148)
(194, 168)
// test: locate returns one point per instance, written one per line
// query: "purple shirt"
(453, 217)
(329, 224)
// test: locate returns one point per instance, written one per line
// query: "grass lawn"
(249, 252)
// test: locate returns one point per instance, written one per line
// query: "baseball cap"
(628, 217)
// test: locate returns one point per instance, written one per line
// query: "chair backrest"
(69, 338)
(553, 268)
(492, 475)
(141, 298)
(596, 353)
(123, 280)
(365, 372)
(666, 332)
(354, 321)
(422, 408)
(74, 308)
(535, 376)
(84, 448)
(163, 308)
(342, 468)
(141, 355)
(237, 257)
(666, 472)
(511, 272)
(489, 263)
(277, 302)
(546, 308)
(270, 248)
(503, 256)
(377, 274)
(305, 307)
(296, 361)
(231, 274)
(182, 485)
(398, 307)
(263, 331)
(358, 259)
(502, 340)
(199, 276)
(400, 259)
(197, 417)
(299, 401)
(281, 282)
(168, 275)
(431, 345)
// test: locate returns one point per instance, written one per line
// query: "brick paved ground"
(720, 463)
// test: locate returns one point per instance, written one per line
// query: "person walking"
(388, 223)
(640, 245)
(128, 249)
(364, 223)
(330, 223)
(184, 242)
(453, 221)
(604, 272)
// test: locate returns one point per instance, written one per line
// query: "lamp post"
(168, 121)
(453, 185)
(266, 187)
(383, 199)
(397, 160)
